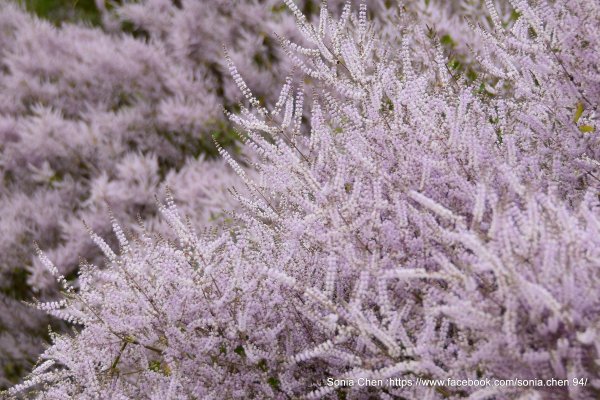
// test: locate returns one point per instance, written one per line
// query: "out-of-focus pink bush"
(91, 116)
(423, 225)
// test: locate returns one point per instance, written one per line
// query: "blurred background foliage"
(59, 11)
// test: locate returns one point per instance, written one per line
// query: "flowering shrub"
(90, 115)
(423, 225)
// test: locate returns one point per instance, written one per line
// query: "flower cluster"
(423, 224)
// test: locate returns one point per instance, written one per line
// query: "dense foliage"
(416, 216)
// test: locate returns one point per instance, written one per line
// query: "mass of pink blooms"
(412, 193)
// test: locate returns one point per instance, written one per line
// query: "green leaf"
(160, 367)
(240, 351)
(586, 128)
(262, 364)
(471, 75)
(578, 112)
(455, 64)
(277, 9)
(446, 40)
(154, 366)
(274, 382)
